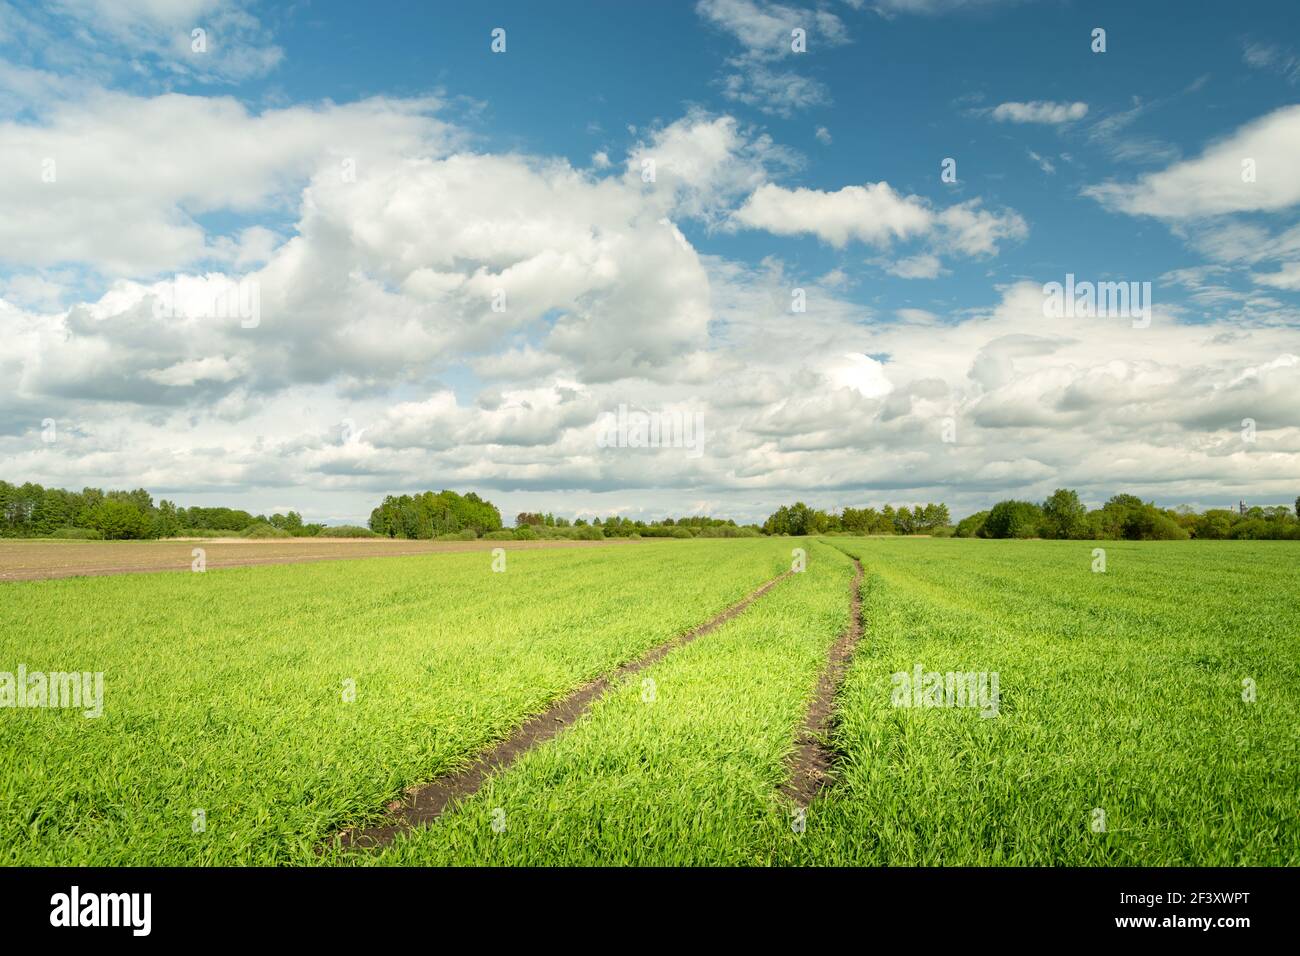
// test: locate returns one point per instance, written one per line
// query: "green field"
(223, 691)
(1119, 693)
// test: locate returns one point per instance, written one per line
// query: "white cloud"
(1040, 111)
(761, 76)
(1272, 57)
(1288, 277)
(933, 7)
(924, 265)
(878, 215)
(838, 407)
(1045, 164)
(131, 174)
(1114, 134)
(143, 35)
(764, 28)
(861, 373)
(873, 213)
(377, 308)
(1214, 183)
(703, 164)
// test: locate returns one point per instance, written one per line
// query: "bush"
(501, 535)
(1165, 528)
(262, 529)
(78, 534)
(728, 531)
(1252, 529)
(680, 533)
(525, 533)
(972, 525)
(466, 534)
(345, 531)
(588, 533)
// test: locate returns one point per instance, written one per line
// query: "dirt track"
(34, 560)
(810, 764)
(424, 803)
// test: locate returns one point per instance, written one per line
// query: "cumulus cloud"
(878, 215)
(472, 315)
(874, 213)
(117, 182)
(840, 406)
(701, 165)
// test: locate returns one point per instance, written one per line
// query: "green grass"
(223, 692)
(1119, 691)
(688, 778)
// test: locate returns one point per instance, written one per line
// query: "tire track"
(423, 804)
(813, 758)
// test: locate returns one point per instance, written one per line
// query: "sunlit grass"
(223, 692)
(681, 771)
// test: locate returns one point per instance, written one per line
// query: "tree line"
(449, 515)
(800, 519)
(1127, 517)
(617, 526)
(30, 510)
(1061, 515)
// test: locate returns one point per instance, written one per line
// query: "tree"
(1064, 515)
(797, 519)
(1013, 519)
(116, 518)
(903, 523)
(931, 517)
(1214, 524)
(166, 524)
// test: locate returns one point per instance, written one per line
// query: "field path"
(423, 804)
(811, 761)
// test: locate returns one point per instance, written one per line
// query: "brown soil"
(423, 804)
(813, 759)
(28, 560)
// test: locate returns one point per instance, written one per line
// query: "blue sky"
(817, 170)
